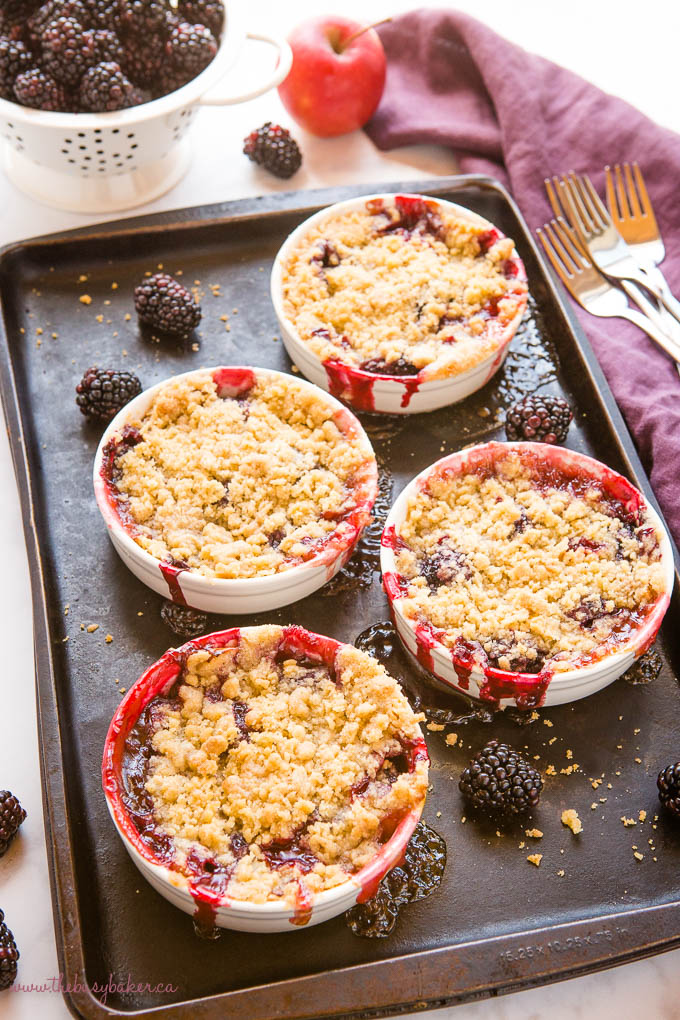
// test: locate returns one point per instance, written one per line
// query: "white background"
(627, 48)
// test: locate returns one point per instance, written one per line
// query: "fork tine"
(632, 193)
(579, 206)
(552, 188)
(597, 201)
(621, 192)
(552, 255)
(569, 240)
(647, 208)
(571, 266)
(611, 195)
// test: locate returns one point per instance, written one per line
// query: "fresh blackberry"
(143, 17)
(539, 419)
(668, 782)
(68, 50)
(9, 955)
(11, 816)
(184, 621)
(103, 14)
(190, 47)
(10, 28)
(204, 12)
(108, 46)
(499, 781)
(103, 391)
(15, 58)
(36, 89)
(170, 79)
(272, 147)
(163, 302)
(104, 87)
(143, 61)
(49, 12)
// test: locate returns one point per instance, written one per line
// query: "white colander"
(103, 162)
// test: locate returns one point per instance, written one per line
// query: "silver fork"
(591, 289)
(599, 236)
(662, 321)
(633, 216)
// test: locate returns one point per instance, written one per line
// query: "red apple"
(336, 81)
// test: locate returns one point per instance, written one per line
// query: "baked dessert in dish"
(237, 473)
(400, 286)
(527, 560)
(265, 765)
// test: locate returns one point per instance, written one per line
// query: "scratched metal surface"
(497, 922)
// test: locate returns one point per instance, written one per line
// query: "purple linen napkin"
(451, 80)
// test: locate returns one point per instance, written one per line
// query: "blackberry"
(668, 782)
(36, 89)
(103, 391)
(190, 47)
(537, 419)
(108, 46)
(272, 147)
(183, 620)
(163, 302)
(49, 12)
(68, 50)
(143, 61)
(204, 12)
(499, 781)
(143, 18)
(9, 955)
(379, 366)
(11, 816)
(104, 87)
(15, 58)
(103, 14)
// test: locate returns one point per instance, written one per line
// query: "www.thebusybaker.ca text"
(101, 990)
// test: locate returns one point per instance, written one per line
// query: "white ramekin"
(249, 594)
(216, 910)
(522, 689)
(368, 391)
(102, 162)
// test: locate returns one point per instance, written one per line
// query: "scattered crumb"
(85, 299)
(551, 741)
(108, 638)
(547, 722)
(642, 816)
(551, 771)
(561, 872)
(639, 761)
(534, 716)
(522, 845)
(451, 739)
(535, 859)
(439, 814)
(122, 690)
(127, 316)
(435, 727)
(99, 318)
(595, 783)
(295, 369)
(92, 627)
(638, 856)
(593, 806)
(114, 286)
(533, 833)
(627, 821)
(140, 613)
(572, 821)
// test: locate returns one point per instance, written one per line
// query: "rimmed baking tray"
(498, 922)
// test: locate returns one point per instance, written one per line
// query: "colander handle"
(282, 68)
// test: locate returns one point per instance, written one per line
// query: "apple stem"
(355, 35)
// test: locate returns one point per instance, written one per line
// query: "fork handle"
(660, 318)
(653, 331)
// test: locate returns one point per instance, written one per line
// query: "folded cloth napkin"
(451, 80)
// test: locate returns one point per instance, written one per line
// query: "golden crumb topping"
(527, 568)
(271, 766)
(403, 285)
(241, 486)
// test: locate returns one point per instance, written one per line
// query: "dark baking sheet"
(497, 923)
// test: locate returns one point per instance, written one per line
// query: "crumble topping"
(401, 286)
(240, 486)
(517, 566)
(273, 770)
(572, 821)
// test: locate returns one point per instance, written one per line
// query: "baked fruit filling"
(520, 566)
(401, 286)
(270, 769)
(240, 481)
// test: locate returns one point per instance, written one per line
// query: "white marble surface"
(627, 49)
